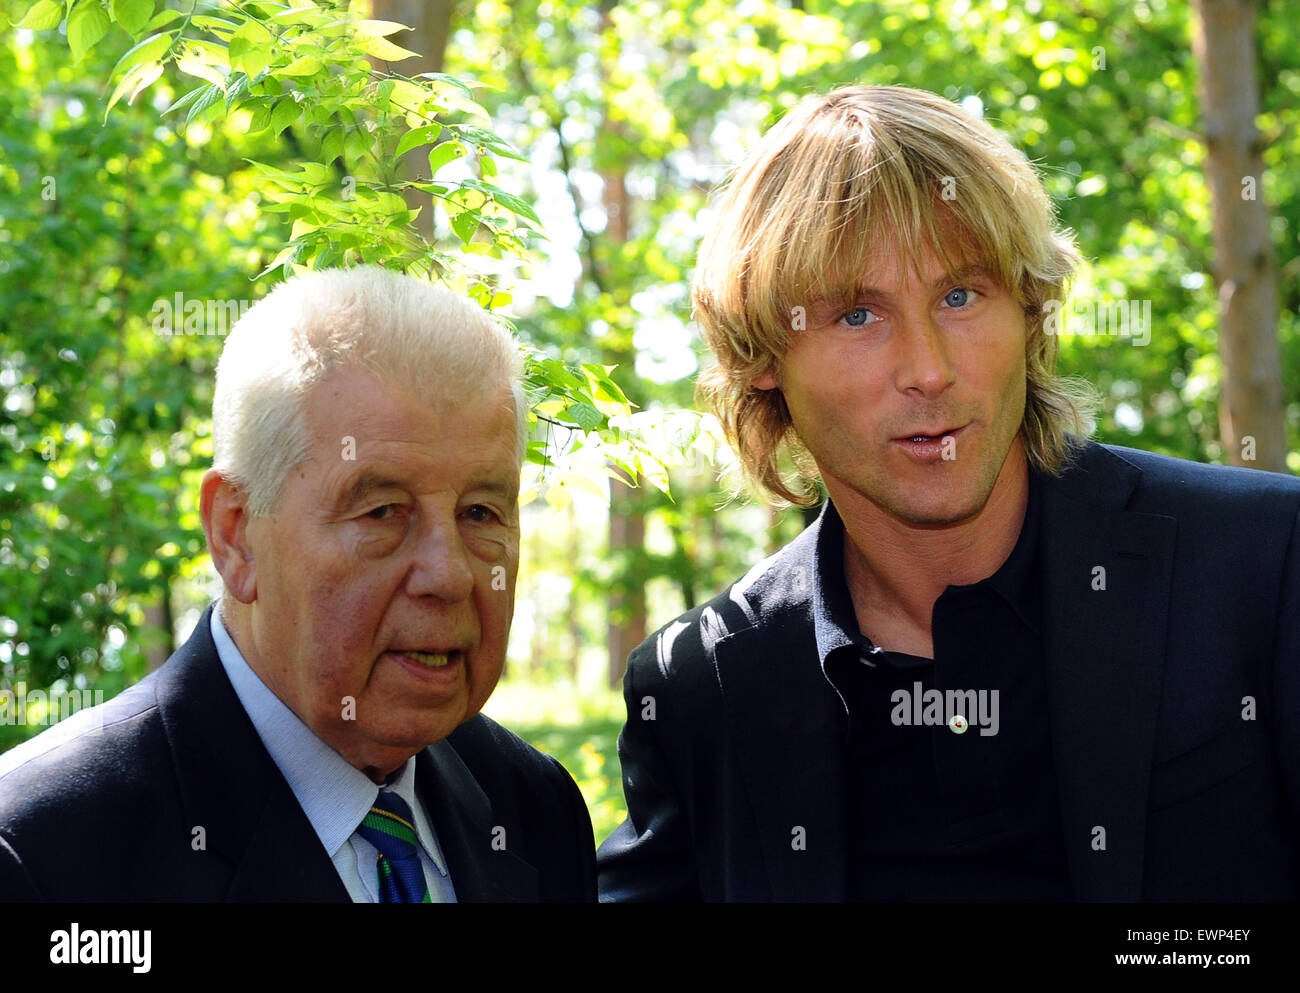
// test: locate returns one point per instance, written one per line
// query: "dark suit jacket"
(88, 814)
(1174, 705)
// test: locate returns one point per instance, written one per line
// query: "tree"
(1251, 410)
(103, 388)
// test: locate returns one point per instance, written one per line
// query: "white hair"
(404, 331)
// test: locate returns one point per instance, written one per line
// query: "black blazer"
(1174, 705)
(112, 811)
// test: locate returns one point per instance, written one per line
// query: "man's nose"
(442, 562)
(924, 364)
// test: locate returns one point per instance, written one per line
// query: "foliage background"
(627, 115)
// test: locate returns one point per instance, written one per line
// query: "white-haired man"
(319, 737)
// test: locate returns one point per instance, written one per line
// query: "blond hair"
(840, 179)
(409, 334)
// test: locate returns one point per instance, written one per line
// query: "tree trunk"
(628, 622)
(430, 24)
(627, 612)
(159, 616)
(627, 626)
(1251, 414)
(575, 600)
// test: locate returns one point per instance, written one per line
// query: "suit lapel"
(284, 859)
(256, 842)
(482, 867)
(1104, 655)
(783, 717)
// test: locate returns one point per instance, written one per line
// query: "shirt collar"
(835, 622)
(333, 793)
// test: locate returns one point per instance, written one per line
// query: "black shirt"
(936, 814)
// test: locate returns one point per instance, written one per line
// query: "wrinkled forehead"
(351, 411)
(364, 428)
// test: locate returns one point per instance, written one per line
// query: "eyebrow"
(961, 273)
(365, 483)
(368, 480)
(501, 487)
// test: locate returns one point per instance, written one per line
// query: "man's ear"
(223, 508)
(766, 380)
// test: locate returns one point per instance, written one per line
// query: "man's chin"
(937, 514)
(387, 748)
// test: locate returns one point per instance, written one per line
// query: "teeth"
(434, 660)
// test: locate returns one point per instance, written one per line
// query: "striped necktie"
(390, 827)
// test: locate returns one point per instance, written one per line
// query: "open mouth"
(948, 433)
(431, 660)
(936, 447)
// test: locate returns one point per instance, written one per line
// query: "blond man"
(1005, 663)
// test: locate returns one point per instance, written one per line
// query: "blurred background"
(1173, 160)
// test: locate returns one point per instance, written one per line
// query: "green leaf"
(88, 23)
(511, 202)
(332, 145)
(442, 154)
(305, 65)
(162, 19)
(151, 49)
(465, 225)
(133, 15)
(191, 64)
(585, 416)
(212, 95)
(385, 50)
(285, 113)
(358, 144)
(251, 48)
(186, 100)
(302, 15)
(138, 78)
(416, 137)
(42, 16)
(237, 91)
(316, 174)
(252, 59)
(379, 29)
(214, 24)
(493, 142)
(442, 77)
(261, 118)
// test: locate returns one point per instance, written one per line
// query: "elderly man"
(319, 737)
(1004, 663)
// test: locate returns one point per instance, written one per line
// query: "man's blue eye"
(857, 317)
(958, 297)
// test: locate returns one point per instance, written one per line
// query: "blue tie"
(390, 827)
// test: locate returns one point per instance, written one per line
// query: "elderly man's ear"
(223, 509)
